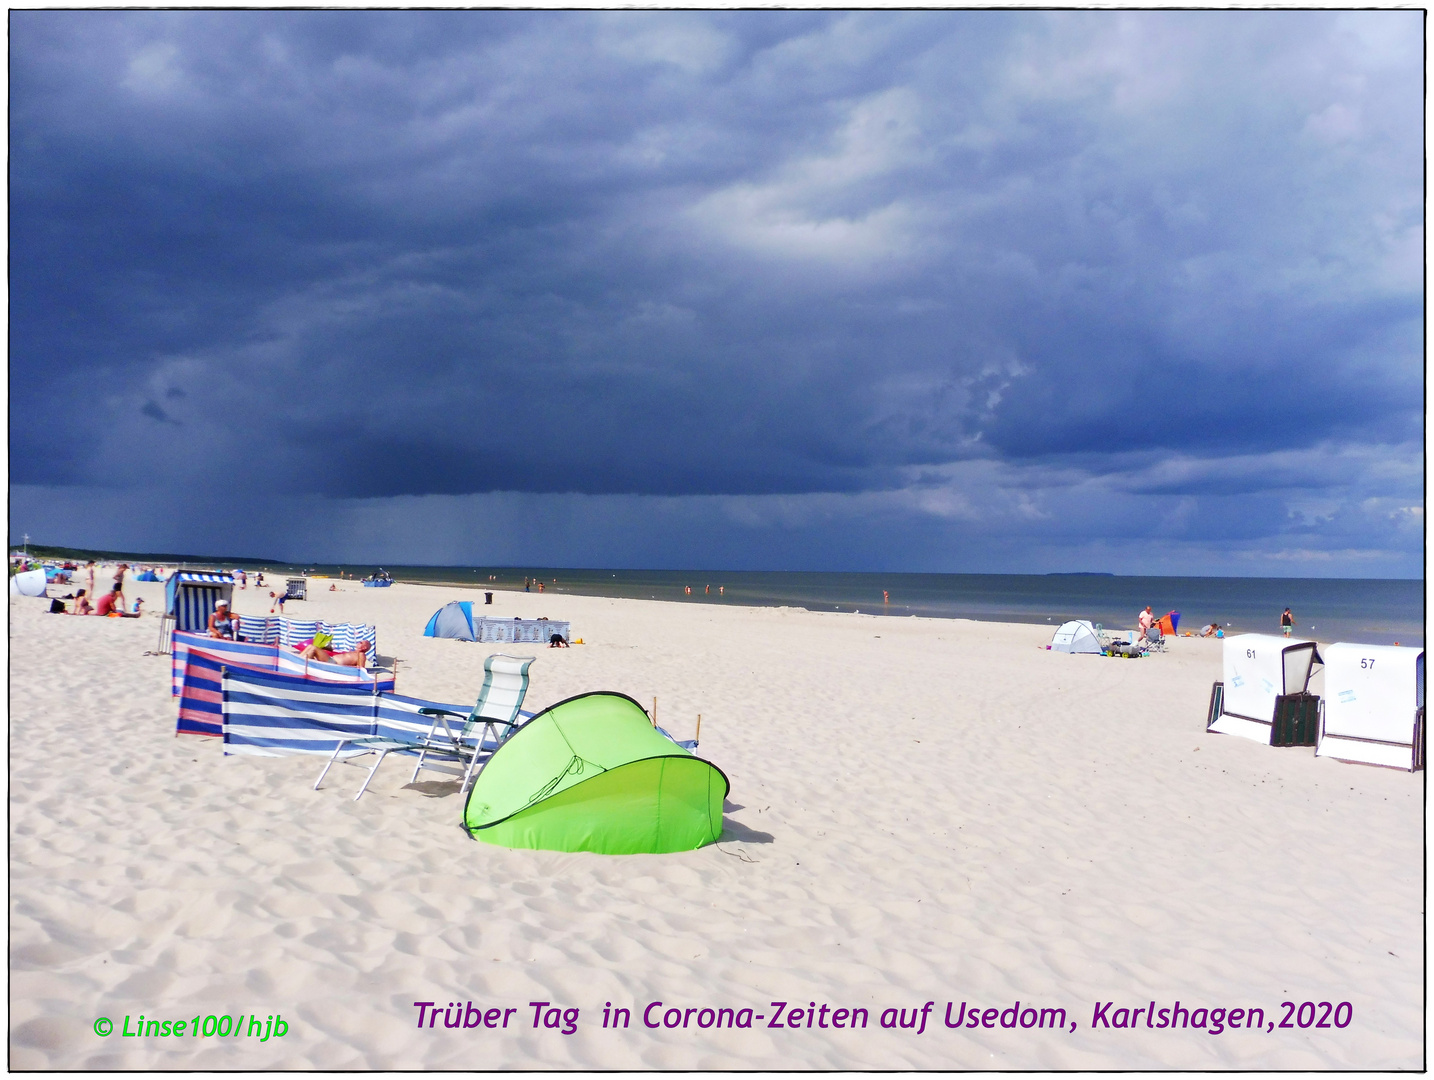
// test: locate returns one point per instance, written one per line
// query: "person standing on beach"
(1147, 620)
(118, 592)
(91, 569)
(1287, 623)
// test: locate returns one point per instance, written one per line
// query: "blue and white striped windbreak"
(276, 715)
(265, 656)
(274, 658)
(294, 632)
(260, 629)
(277, 630)
(201, 692)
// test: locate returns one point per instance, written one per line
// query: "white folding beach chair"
(493, 718)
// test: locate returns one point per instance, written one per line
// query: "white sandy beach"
(921, 810)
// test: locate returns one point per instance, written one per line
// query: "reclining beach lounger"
(494, 716)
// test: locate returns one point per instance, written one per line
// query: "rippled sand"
(921, 810)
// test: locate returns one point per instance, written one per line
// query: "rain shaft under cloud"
(939, 289)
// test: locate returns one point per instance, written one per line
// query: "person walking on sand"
(1287, 622)
(118, 591)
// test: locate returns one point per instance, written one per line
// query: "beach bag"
(57, 607)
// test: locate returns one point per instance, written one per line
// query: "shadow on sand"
(434, 789)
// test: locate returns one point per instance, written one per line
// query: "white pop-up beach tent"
(1258, 669)
(30, 583)
(1076, 637)
(1374, 705)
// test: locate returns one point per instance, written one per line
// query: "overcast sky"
(964, 291)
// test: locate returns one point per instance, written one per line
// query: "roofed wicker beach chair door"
(190, 597)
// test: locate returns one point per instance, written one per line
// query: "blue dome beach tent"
(1373, 705)
(1076, 637)
(453, 620)
(592, 774)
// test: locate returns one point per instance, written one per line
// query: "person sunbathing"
(357, 658)
(82, 604)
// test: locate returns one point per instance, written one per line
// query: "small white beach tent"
(30, 583)
(1258, 669)
(1374, 705)
(1076, 637)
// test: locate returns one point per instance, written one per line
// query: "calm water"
(1373, 611)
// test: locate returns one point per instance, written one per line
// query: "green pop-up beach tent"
(592, 774)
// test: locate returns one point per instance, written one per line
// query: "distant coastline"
(1371, 610)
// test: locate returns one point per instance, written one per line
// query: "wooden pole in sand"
(654, 710)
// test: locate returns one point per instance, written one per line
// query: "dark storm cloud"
(378, 254)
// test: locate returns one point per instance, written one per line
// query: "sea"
(1368, 611)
